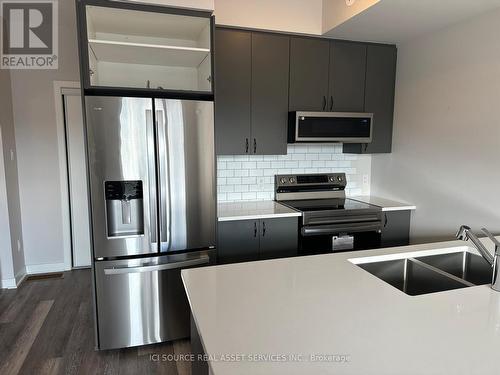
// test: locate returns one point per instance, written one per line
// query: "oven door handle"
(344, 220)
(321, 230)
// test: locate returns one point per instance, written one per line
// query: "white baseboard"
(20, 276)
(33, 269)
(8, 284)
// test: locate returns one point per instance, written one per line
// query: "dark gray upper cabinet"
(347, 77)
(379, 98)
(270, 61)
(233, 61)
(309, 72)
(251, 92)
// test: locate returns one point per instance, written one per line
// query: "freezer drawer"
(142, 301)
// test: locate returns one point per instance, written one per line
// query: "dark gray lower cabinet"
(247, 240)
(396, 230)
(279, 237)
(238, 241)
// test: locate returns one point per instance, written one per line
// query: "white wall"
(446, 146)
(6, 263)
(336, 12)
(11, 252)
(282, 15)
(36, 140)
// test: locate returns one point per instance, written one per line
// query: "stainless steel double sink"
(433, 273)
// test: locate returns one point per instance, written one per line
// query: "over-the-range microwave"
(326, 127)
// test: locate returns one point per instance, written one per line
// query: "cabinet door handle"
(263, 228)
(324, 102)
(385, 222)
(331, 103)
(254, 146)
(255, 229)
(246, 145)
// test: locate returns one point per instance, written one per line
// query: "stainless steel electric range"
(330, 221)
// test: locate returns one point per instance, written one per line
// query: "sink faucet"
(465, 233)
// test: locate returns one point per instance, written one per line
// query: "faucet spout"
(465, 233)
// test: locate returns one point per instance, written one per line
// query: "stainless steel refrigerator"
(153, 206)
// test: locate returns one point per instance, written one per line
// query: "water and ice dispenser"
(124, 208)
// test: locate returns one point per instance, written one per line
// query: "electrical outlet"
(365, 179)
(261, 180)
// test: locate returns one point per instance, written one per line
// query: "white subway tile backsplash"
(241, 188)
(249, 180)
(225, 173)
(241, 173)
(251, 177)
(234, 165)
(234, 197)
(234, 181)
(225, 188)
(265, 195)
(249, 196)
(249, 165)
(256, 172)
(312, 156)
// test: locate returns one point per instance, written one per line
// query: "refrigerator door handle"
(164, 179)
(153, 225)
(157, 267)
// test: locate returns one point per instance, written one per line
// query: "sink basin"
(412, 277)
(465, 265)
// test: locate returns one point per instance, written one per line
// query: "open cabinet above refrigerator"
(144, 48)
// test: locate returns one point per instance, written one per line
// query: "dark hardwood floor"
(46, 327)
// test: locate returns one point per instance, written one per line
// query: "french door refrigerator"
(153, 205)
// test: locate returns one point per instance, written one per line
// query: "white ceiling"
(396, 21)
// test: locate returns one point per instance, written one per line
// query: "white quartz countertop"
(253, 210)
(385, 204)
(295, 308)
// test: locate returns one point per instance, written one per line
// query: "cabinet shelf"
(147, 54)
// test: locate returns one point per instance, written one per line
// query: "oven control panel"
(318, 179)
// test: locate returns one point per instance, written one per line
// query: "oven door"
(338, 237)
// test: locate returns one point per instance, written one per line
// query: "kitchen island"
(324, 314)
